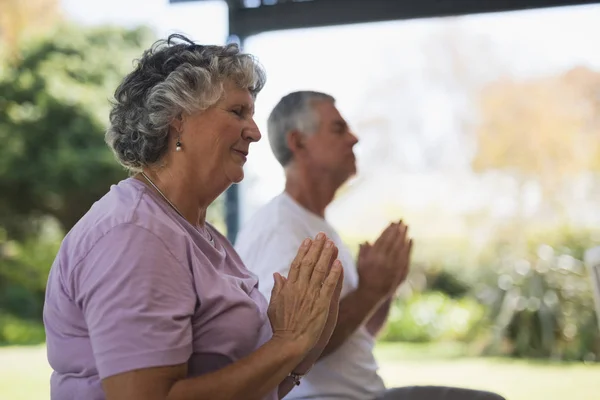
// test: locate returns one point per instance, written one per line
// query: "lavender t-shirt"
(134, 286)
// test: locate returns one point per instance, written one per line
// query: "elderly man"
(314, 144)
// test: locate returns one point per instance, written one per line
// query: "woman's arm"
(138, 307)
(311, 358)
(305, 365)
(252, 377)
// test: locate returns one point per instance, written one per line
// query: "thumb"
(364, 248)
(277, 286)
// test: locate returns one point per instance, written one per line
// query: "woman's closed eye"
(239, 112)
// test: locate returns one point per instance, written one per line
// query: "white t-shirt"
(267, 244)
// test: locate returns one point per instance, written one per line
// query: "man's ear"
(296, 141)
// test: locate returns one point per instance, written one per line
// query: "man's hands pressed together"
(384, 265)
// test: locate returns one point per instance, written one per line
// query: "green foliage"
(23, 274)
(19, 331)
(530, 297)
(54, 104)
(540, 301)
(432, 316)
(449, 283)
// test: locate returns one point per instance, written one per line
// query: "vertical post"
(232, 211)
(232, 196)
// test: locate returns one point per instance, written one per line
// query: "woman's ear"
(177, 123)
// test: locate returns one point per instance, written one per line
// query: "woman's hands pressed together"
(304, 306)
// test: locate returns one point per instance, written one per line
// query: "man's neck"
(310, 189)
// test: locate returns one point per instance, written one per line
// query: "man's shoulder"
(273, 218)
(272, 235)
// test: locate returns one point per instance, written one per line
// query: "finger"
(309, 261)
(334, 256)
(383, 235)
(408, 251)
(407, 259)
(331, 282)
(277, 286)
(404, 242)
(361, 251)
(400, 244)
(340, 284)
(403, 232)
(389, 238)
(364, 248)
(323, 265)
(296, 264)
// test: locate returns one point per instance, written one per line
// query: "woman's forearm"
(285, 387)
(252, 377)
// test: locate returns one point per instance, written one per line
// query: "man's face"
(330, 148)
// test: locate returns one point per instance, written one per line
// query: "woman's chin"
(236, 176)
(238, 180)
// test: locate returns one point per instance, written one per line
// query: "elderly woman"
(146, 300)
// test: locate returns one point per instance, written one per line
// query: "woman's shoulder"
(127, 204)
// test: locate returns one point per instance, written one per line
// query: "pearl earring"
(178, 145)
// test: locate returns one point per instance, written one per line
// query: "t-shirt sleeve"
(137, 300)
(269, 252)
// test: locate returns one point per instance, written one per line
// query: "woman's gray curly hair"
(171, 79)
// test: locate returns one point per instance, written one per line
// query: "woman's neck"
(181, 193)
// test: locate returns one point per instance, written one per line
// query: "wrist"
(296, 377)
(290, 347)
(369, 295)
(308, 361)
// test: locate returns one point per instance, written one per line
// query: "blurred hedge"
(532, 300)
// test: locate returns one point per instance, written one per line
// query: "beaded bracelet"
(296, 378)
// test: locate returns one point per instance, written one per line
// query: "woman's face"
(216, 141)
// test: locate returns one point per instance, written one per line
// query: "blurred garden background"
(482, 132)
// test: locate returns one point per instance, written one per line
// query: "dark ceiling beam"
(318, 13)
(245, 22)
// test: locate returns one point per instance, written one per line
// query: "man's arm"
(379, 318)
(378, 276)
(356, 308)
(268, 254)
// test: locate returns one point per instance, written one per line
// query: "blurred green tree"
(54, 104)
